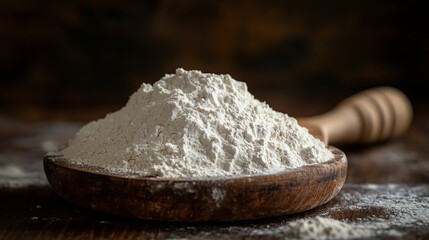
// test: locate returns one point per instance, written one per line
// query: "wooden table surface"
(387, 189)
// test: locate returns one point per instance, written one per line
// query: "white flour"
(363, 211)
(192, 124)
(325, 228)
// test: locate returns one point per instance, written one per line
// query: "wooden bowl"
(371, 116)
(198, 199)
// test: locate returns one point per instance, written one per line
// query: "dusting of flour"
(325, 228)
(192, 124)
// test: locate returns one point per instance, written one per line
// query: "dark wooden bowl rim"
(198, 199)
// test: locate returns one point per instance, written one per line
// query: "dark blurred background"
(78, 60)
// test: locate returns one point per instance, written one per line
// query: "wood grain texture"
(198, 199)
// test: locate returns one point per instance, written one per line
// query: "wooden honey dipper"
(370, 116)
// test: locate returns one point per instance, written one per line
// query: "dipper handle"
(373, 115)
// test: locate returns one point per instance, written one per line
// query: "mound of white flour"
(192, 124)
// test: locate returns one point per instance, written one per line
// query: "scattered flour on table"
(402, 205)
(392, 211)
(13, 176)
(328, 228)
(325, 228)
(192, 124)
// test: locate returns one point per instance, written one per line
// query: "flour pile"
(192, 124)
